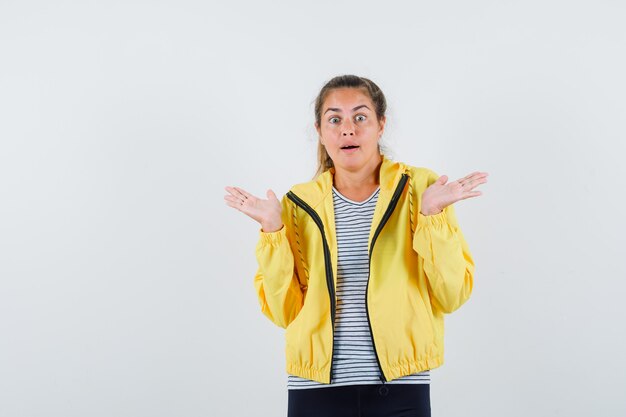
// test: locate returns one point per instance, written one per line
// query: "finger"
(475, 183)
(467, 177)
(479, 175)
(244, 192)
(471, 194)
(232, 191)
(240, 203)
(236, 191)
(233, 199)
(271, 194)
(234, 205)
(476, 175)
(473, 176)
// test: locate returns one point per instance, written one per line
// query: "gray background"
(126, 282)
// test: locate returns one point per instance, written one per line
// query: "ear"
(382, 125)
(317, 127)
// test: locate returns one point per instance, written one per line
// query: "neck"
(366, 176)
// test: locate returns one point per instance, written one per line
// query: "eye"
(331, 119)
(361, 115)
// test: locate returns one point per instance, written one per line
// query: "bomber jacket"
(420, 269)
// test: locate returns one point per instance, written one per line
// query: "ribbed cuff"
(273, 238)
(437, 220)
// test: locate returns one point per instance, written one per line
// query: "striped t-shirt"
(354, 359)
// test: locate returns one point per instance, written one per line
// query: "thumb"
(270, 194)
(442, 180)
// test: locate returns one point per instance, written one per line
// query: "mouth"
(349, 149)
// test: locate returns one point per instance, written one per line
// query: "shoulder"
(314, 191)
(303, 186)
(421, 177)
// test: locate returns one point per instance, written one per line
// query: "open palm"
(439, 195)
(265, 211)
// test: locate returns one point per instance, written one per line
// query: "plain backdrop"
(126, 282)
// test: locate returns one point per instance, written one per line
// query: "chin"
(351, 163)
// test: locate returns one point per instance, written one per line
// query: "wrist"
(271, 228)
(426, 211)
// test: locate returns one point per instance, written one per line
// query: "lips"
(349, 149)
(349, 146)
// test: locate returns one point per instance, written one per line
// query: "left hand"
(439, 195)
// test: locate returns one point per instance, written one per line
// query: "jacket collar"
(315, 191)
(318, 195)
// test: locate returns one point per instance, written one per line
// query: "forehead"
(346, 98)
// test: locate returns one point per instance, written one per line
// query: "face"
(349, 128)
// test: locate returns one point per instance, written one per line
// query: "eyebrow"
(339, 110)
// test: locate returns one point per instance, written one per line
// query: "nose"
(348, 130)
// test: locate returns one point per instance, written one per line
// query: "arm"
(448, 263)
(276, 281)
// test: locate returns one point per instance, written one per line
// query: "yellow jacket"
(420, 268)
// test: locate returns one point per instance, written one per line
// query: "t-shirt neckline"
(356, 202)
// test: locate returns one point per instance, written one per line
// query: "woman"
(360, 264)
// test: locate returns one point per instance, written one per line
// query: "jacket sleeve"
(448, 263)
(276, 281)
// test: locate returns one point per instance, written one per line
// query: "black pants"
(375, 400)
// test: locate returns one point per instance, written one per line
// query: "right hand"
(266, 212)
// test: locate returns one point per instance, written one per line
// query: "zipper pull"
(383, 390)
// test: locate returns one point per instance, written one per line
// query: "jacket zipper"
(329, 269)
(392, 205)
